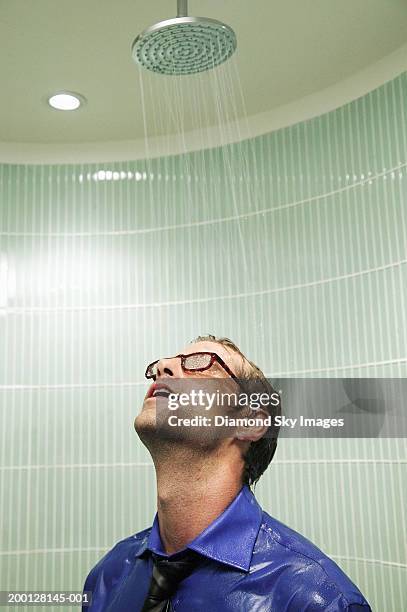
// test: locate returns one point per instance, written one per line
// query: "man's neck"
(192, 491)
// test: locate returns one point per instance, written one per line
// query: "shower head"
(184, 45)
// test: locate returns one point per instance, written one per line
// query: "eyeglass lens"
(195, 361)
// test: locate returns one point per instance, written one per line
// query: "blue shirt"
(251, 562)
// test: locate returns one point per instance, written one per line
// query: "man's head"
(227, 362)
(261, 451)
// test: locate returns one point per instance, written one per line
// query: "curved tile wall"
(293, 244)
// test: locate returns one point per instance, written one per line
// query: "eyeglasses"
(194, 362)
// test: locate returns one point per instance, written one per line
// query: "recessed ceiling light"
(66, 100)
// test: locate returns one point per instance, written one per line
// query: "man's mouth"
(161, 393)
(158, 390)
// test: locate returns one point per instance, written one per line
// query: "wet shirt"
(250, 562)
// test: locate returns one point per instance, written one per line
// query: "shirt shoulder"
(301, 572)
(110, 568)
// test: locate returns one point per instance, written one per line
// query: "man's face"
(170, 372)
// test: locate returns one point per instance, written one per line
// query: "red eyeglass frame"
(214, 357)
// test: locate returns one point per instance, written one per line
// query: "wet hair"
(261, 452)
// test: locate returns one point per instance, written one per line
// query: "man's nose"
(170, 366)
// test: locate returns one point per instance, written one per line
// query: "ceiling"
(287, 49)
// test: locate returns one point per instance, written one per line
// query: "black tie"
(167, 574)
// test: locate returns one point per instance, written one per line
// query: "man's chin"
(151, 433)
(145, 421)
(157, 437)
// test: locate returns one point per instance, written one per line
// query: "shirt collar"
(229, 539)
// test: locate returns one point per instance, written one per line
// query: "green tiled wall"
(293, 244)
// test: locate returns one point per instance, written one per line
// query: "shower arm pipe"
(182, 8)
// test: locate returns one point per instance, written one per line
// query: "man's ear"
(252, 433)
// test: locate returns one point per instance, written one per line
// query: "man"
(211, 547)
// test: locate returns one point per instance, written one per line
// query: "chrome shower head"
(184, 45)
